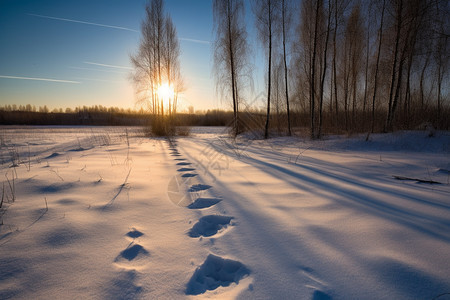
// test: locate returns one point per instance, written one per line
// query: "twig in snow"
(119, 191)
(1, 203)
(415, 179)
(29, 159)
(12, 187)
(301, 154)
(57, 174)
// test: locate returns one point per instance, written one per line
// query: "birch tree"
(230, 52)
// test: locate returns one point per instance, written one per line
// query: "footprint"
(132, 252)
(186, 169)
(215, 272)
(203, 203)
(189, 175)
(199, 187)
(183, 164)
(209, 225)
(134, 233)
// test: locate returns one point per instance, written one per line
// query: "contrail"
(105, 65)
(83, 22)
(195, 41)
(39, 79)
(99, 80)
(98, 70)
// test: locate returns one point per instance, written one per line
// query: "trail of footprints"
(186, 190)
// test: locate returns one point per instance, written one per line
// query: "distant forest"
(253, 119)
(102, 116)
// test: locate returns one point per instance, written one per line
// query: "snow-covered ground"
(105, 213)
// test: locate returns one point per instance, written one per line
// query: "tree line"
(98, 115)
(345, 65)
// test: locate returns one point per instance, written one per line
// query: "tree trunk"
(322, 83)
(313, 73)
(394, 65)
(233, 81)
(269, 72)
(334, 62)
(377, 66)
(283, 12)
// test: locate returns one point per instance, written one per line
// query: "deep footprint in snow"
(216, 272)
(199, 187)
(132, 252)
(209, 225)
(134, 233)
(203, 203)
(187, 175)
(186, 170)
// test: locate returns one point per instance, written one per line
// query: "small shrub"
(183, 131)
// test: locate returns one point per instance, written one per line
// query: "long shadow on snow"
(359, 200)
(291, 245)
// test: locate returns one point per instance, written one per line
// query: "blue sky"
(68, 53)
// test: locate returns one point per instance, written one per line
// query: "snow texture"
(106, 213)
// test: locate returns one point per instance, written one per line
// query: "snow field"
(105, 213)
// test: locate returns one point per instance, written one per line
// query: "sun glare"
(165, 91)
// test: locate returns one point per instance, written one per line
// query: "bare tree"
(147, 61)
(338, 9)
(355, 33)
(309, 40)
(377, 63)
(157, 61)
(286, 23)
(170, 59)
(441, 55)
(230, 51)
(265, 15)
(324, 67)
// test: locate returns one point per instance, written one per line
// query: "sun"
(165, 92)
